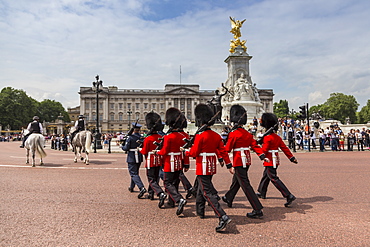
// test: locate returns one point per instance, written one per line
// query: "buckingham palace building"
(118, 108)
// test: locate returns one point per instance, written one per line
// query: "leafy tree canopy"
(49, 110)
(339, 106)
(364, 114)
(17, 109)
(281, 108)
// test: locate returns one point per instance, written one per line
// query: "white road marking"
(66, 167)
(72, 167)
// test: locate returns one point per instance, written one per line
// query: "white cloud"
(304, 50)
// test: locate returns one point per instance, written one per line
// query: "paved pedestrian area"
(71, 204)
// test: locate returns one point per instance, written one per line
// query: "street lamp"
(96, 88)
(129, 118)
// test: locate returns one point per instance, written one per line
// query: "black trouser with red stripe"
(185, 181)
(270, 174)
(171, 184)
(153, 180)
(207, 192)
(240, 179)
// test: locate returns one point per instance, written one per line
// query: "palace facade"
(118, 108)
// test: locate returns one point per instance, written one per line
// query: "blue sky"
(303, 50)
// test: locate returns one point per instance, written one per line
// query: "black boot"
(289, 200)
(142, 192)
(261, 195)
(190, 193)
(181, 205)
(224, 220)
(229, 204)
(255, 214)
(150, 196)
(162, 197)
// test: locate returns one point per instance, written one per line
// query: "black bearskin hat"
(184, 122)
(268, 120)
(153, 119)
(174, 118)
(238, 114)
(203, 113)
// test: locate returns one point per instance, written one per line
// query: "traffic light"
(303, 112)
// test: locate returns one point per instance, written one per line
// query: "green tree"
(364, 114)
(49, 110)
(16, 108)
(281, 108)
(340, 106)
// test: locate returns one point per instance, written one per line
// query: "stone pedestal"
(253, 108)
(191, 129)
(241, 89)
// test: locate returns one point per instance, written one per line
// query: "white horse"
(35, 142)
(82, 143)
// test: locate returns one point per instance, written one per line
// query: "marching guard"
(240, 141)
(134, 159)
(153, 161)
(208, 146)
(270, 147)
(174, 160)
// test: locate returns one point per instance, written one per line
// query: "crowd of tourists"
(301, 136)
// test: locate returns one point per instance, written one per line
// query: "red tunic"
(173, 157)
(208, 146)
(152, 160)
(240, 142)
(270, 147)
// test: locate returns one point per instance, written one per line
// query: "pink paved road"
(68, 204)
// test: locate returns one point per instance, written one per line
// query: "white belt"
(148, 160)
(204, 161)
(274, 157)
(242, 154)
(136, 154)
(172, 160)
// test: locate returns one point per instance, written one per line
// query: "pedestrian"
(351, 139)
(240, 141)
(290, 136)
(359, 140)
(322, 140)
(134, 159)
(153, 161)
(208, 146)
(341, 141)
(270, 147)
(174, 160)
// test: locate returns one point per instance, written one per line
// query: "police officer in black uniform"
(79, 125)
(33, 127)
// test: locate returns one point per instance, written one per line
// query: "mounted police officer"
(79, 126)
(33, 127)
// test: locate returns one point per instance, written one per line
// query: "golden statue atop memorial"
(235, 29)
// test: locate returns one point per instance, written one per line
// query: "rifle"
(141, 140)
(129, 133)
(202, 128)
(160, 144)
(269, 131)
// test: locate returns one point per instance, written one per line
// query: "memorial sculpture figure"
(235, 29)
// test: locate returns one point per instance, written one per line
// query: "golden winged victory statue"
(235, 29)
